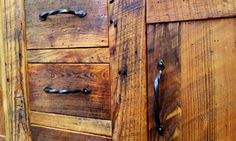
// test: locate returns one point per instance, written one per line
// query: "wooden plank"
(13, 76)
(50, 134)
(198, 100)
(2, 127)
(80, 124)
(164, 43)
(179, 10)
(67, 31)
(93, 55)
(95, 77)
(127, 42)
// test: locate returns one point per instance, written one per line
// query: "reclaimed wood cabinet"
(121, 70)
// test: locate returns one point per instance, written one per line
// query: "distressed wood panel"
(2, 127)
(198, 100)
(80, 124)
(178, 10)
(93, 55)
(127, 42)
(13, 76)
(49, 134)
(67, 31)
(95, 77)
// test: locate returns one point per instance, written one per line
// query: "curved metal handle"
(159, 126)
(55, 91)
(44, 15)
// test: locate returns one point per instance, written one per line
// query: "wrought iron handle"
(159, 126)
(44, 15)
(55, 91)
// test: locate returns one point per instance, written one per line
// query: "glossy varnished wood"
(49, 134)
(198, 100)
(79, 124)
(67, 31)
(178, 10)
(91, 55)
(13, 71)
(127, 42)
(97, 104)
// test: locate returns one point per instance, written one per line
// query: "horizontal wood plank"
(64, 30)
(49, 134)
(80, 124)
(179, 10)
(197, 93)
(93, 55)
(95, 77)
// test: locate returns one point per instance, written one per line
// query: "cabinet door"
(197, 97)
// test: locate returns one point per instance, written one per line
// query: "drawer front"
(64, 30)
(47, 134)
(70, 77)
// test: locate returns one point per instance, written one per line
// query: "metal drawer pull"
(44, 15)
(159, 126)
(55, 91)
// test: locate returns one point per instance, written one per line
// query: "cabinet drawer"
(65, 30)
(96, 104)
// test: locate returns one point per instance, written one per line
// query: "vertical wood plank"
(2, 127)
(164, 43)
(198, 100)
(13, 59)
(128, 69)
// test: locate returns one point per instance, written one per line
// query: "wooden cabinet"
(96, 77)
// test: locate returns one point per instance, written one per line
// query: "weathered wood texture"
(198, 99)
(178, 10)
(91, 55)
(2, 127)
(66, 31)
(49, 134)
(97, 104)
(79, 124)
(13, 70)
(127, 44)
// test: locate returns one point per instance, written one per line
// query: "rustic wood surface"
(91, 55)
(67, 31)
(178, 10)
(198, 100)
(2, 127)
(127, 42)
(13, 76)
(49, 134)
(80, 124)
(97, 104)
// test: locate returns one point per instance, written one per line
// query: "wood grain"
(198, 100)
(178, 10)
(49, 134)
(67, 31)
(13, 71)
(97, 104)
(2, 127)
(79, 124)
(93, 55)
(127, 42)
